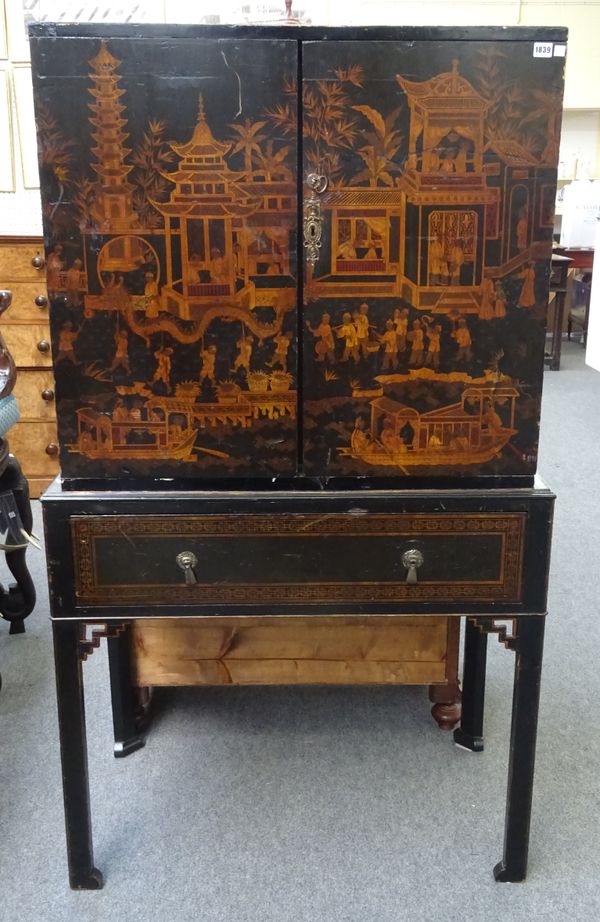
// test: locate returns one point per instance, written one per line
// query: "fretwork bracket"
(92, 634)
(507, 629)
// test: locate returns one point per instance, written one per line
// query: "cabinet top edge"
(301, 33)
(54, 494)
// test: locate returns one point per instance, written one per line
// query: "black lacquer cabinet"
(298, 282)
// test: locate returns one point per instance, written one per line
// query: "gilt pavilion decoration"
(173, 222)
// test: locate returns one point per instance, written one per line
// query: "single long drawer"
(298, 558)
(29, 344)
(16, 261)
(24, 307)
(34, 390)
(35, 445)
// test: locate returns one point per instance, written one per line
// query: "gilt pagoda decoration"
(203, 223)
(113, 206)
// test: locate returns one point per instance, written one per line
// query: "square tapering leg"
(470, 732)
(526, 696)
(124, 706)
(73, 753)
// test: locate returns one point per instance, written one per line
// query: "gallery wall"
(19, 197)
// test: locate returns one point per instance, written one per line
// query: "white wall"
(580, 145)
(19, 210)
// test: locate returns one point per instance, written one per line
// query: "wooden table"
(120, 559)
(558, 285)
(581, 257)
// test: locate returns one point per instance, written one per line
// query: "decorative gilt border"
(86, 530)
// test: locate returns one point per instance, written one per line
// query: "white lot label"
(560, 51)
(542, 49)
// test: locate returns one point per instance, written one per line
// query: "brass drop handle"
(41, 301)
(313, 223)
(43, 345)
(412, 559)
(52, 449)
(48, 395)
(186, 560)
(38, 261)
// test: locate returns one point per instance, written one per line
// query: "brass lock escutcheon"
(412, 559)
(313, 222)
(187, 560)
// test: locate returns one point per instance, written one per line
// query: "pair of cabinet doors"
(274, 252)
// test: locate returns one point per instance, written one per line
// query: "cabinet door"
(429, 184)
(168, 165)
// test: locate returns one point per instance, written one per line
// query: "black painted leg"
(124, 703)
(526, 696)
(73, 753)
(470, 732)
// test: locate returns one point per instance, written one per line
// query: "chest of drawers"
(27, 332)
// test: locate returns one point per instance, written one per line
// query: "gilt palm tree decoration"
(546, 114)
(383, 144)
(249, 141)
(55, 151)
(329, 125)
(273, 161)
(151, 158)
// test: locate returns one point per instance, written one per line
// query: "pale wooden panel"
(37, 485)
(22, 340)
(23, 307)
(15, 263)
(28, 391)
(376, 638)
(289, 672)
(279, 650)
(28, 442)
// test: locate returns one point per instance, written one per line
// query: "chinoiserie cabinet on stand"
(298, 282)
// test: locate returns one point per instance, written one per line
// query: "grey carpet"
(269, 805)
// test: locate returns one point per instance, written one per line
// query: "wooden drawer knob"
(48, 395)
(5, 299)
(43, 345)
(41, 301)
(38, 261)
(52, 448)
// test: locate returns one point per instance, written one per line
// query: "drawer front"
(24, 342)
(298, 558)
(15, 262)
(24, 305)
(35, 444)
(34, 390)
